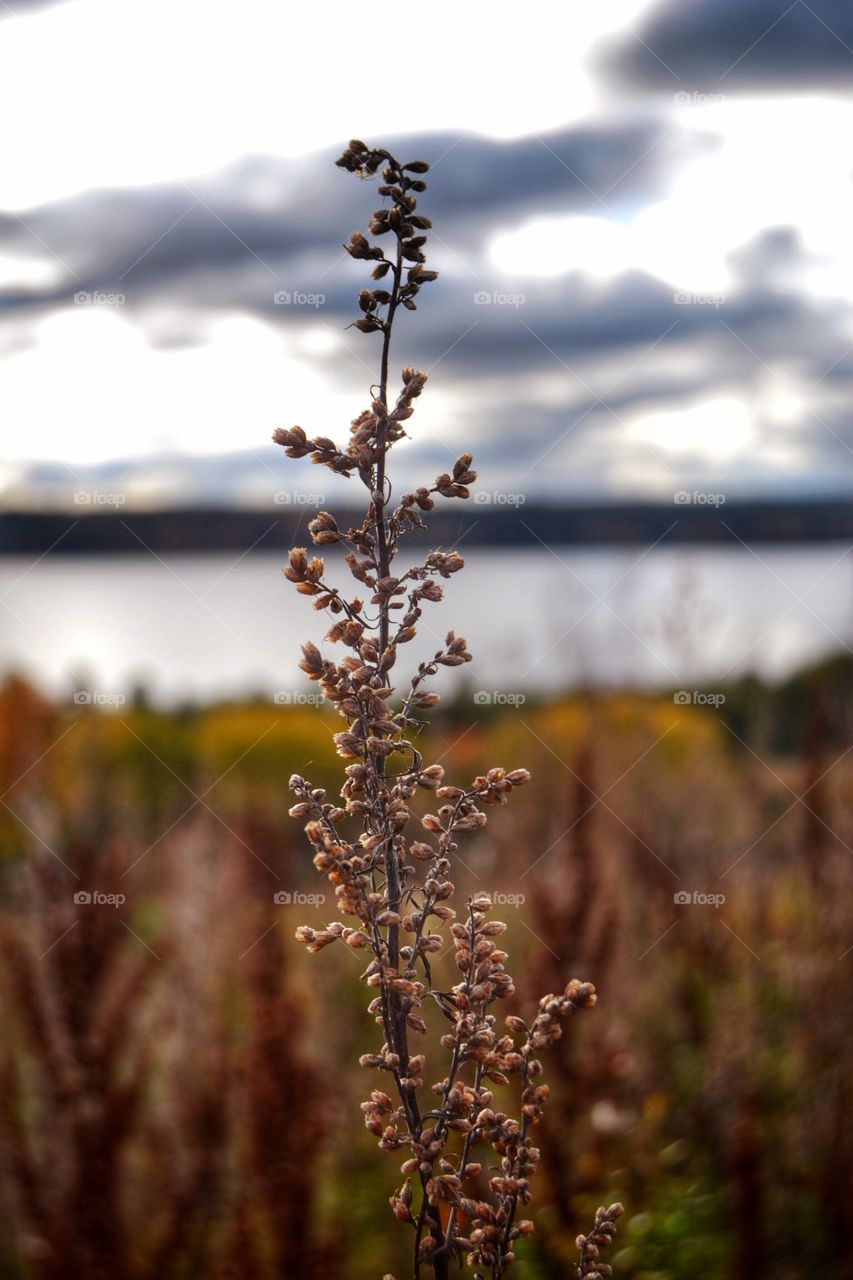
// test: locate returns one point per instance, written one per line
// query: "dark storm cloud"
(772, 43)
(265, 222)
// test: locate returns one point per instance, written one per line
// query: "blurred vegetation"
(178, 1078)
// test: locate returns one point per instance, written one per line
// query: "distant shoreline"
(83, 531)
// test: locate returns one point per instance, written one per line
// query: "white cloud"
(713, 429)
(93, 389)
(762, 163)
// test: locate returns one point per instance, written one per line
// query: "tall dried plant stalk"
(398, 889)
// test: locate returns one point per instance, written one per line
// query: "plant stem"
(397, 1017)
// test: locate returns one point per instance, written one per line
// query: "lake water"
(214, 626)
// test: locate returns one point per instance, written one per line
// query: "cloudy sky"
(642, 222)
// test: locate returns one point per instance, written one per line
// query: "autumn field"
(176, 1071)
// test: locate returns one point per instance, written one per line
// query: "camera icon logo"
(483, 298)
(82, 297)
(283, 698)
(682, 898)
(282, 298)
(82, 898)
(482, 698)
(82, 698)
(682, 698)
(282, 898)
(682, 498)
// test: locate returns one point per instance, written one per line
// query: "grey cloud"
(729, 43)
(571, 321)
(265, 221)
(268, 225)
(18, 8)
(824, 435)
